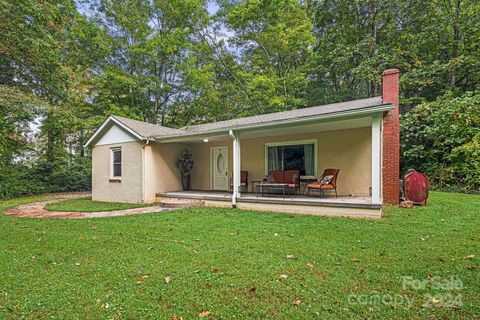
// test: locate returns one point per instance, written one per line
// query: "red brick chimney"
(391, 139)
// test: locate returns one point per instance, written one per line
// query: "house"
(134, 161)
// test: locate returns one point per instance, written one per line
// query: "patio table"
(270, 186)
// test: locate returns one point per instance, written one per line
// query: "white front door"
(219, 168)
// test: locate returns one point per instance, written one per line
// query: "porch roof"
(354, 108)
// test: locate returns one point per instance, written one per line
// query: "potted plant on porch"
(185, 164)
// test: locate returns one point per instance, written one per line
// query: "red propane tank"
(415, 187)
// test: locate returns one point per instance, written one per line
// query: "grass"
(88, 205)
(229, 261)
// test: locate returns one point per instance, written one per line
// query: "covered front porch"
(231, 164)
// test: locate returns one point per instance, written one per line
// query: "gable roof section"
(148, 131)
(139, 129)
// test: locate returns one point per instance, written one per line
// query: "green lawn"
(228, 262)
(88, 205)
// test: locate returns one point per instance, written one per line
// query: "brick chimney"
(391, 139)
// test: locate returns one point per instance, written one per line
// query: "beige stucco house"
(134, 161)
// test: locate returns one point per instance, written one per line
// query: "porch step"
(180, 203)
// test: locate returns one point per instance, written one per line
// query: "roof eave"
(333, 115)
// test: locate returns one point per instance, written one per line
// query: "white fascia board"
(99, 131)
(279, 123)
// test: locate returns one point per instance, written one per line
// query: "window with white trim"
(292, 155)
(116, 161)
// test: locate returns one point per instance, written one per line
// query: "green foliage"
(22, 180)
(441, 138)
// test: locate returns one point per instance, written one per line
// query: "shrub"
(442, 139)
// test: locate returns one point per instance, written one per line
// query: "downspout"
(235, 189)
(143, 170)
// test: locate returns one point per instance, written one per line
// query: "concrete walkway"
(36, 209)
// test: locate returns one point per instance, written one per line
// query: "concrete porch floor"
(360, 207)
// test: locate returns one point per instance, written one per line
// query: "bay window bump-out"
(116, 163)
(292, 155)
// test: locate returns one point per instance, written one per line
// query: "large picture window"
(116, 163)
(293, 155)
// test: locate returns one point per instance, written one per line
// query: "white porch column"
(376, 159)
(236, 167)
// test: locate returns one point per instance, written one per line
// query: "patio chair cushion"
(314, 185)
(317, 185)
(277, 176)
(327, 186)
(327, 179)
(290, 177)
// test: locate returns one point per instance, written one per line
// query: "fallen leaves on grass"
(291, 256)
(435, 300)
(282, 277)
(296, 302)
(175, 317)
(215, 270)
(140, 281)
(204, 314)
(470, 256)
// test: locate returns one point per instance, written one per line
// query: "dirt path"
(36, 209)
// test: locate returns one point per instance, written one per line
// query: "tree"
(151, 43)
(273, 40)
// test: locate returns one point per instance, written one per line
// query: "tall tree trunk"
(456, 40)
